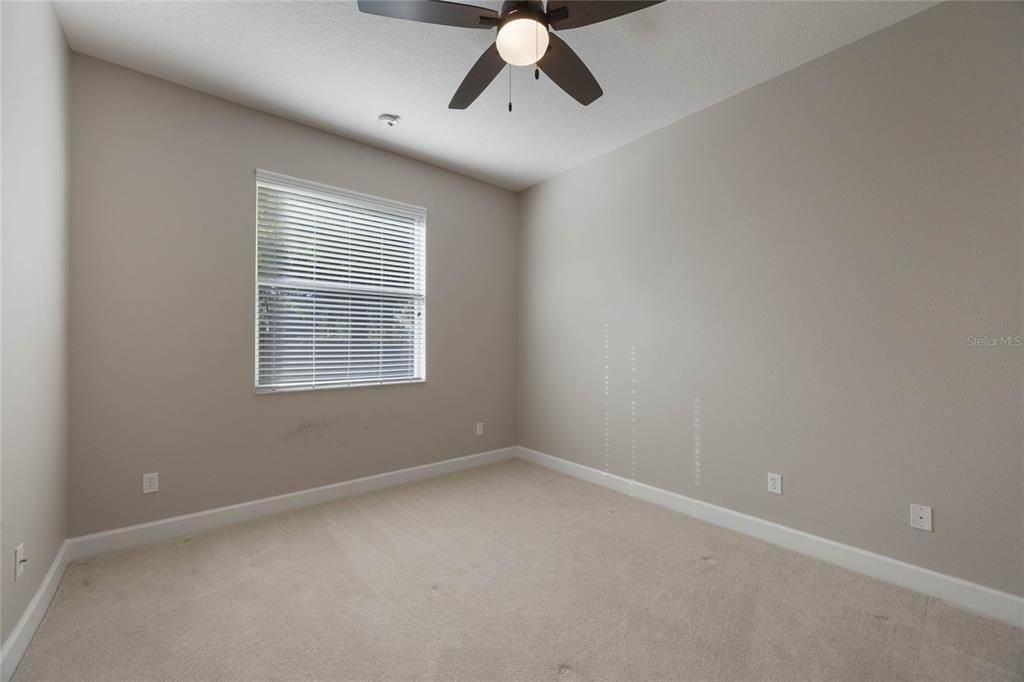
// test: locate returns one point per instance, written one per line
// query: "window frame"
(271, 179)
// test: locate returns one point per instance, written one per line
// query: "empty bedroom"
(560, 340)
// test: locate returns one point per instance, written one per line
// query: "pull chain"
(536, 53)
(510, 88)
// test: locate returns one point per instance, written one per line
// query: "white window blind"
(339, 287)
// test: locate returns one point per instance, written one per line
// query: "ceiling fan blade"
(479, 77)
(432, 12)
(568, 71)
(565, 14)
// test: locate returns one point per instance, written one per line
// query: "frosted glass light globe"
(523, 41)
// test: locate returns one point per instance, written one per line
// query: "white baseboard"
(86, 546)
(21, 635)
(986, 601)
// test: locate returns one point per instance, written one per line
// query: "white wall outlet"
(150, 483)
(19, 560)
(479, 428)
(775, 483)
(921, 517)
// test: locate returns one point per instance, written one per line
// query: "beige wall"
(33, 349)
(162, 269)
(807, 260)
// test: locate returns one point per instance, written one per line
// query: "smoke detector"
(389, 120)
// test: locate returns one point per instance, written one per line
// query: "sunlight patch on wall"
(696, 441)
(632, 417)
(607, 386)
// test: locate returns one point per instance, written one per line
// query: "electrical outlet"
(479, 428)
(19, 560)
(775, 483)
(921, 517)
(150, 483)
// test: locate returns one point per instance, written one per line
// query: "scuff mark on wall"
(305, 430)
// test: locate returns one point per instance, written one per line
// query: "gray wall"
(33, 350)
(162, 269)
(803, 264)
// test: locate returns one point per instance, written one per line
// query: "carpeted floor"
(505, 572)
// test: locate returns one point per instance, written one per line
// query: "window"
(339, 287)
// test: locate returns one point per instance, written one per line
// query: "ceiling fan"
(523, 37)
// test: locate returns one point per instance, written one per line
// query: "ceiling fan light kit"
(524, 37)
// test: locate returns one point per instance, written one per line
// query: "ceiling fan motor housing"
(522, 9)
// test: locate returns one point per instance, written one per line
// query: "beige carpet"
(505, 572)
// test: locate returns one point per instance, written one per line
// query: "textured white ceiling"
(327, 65)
